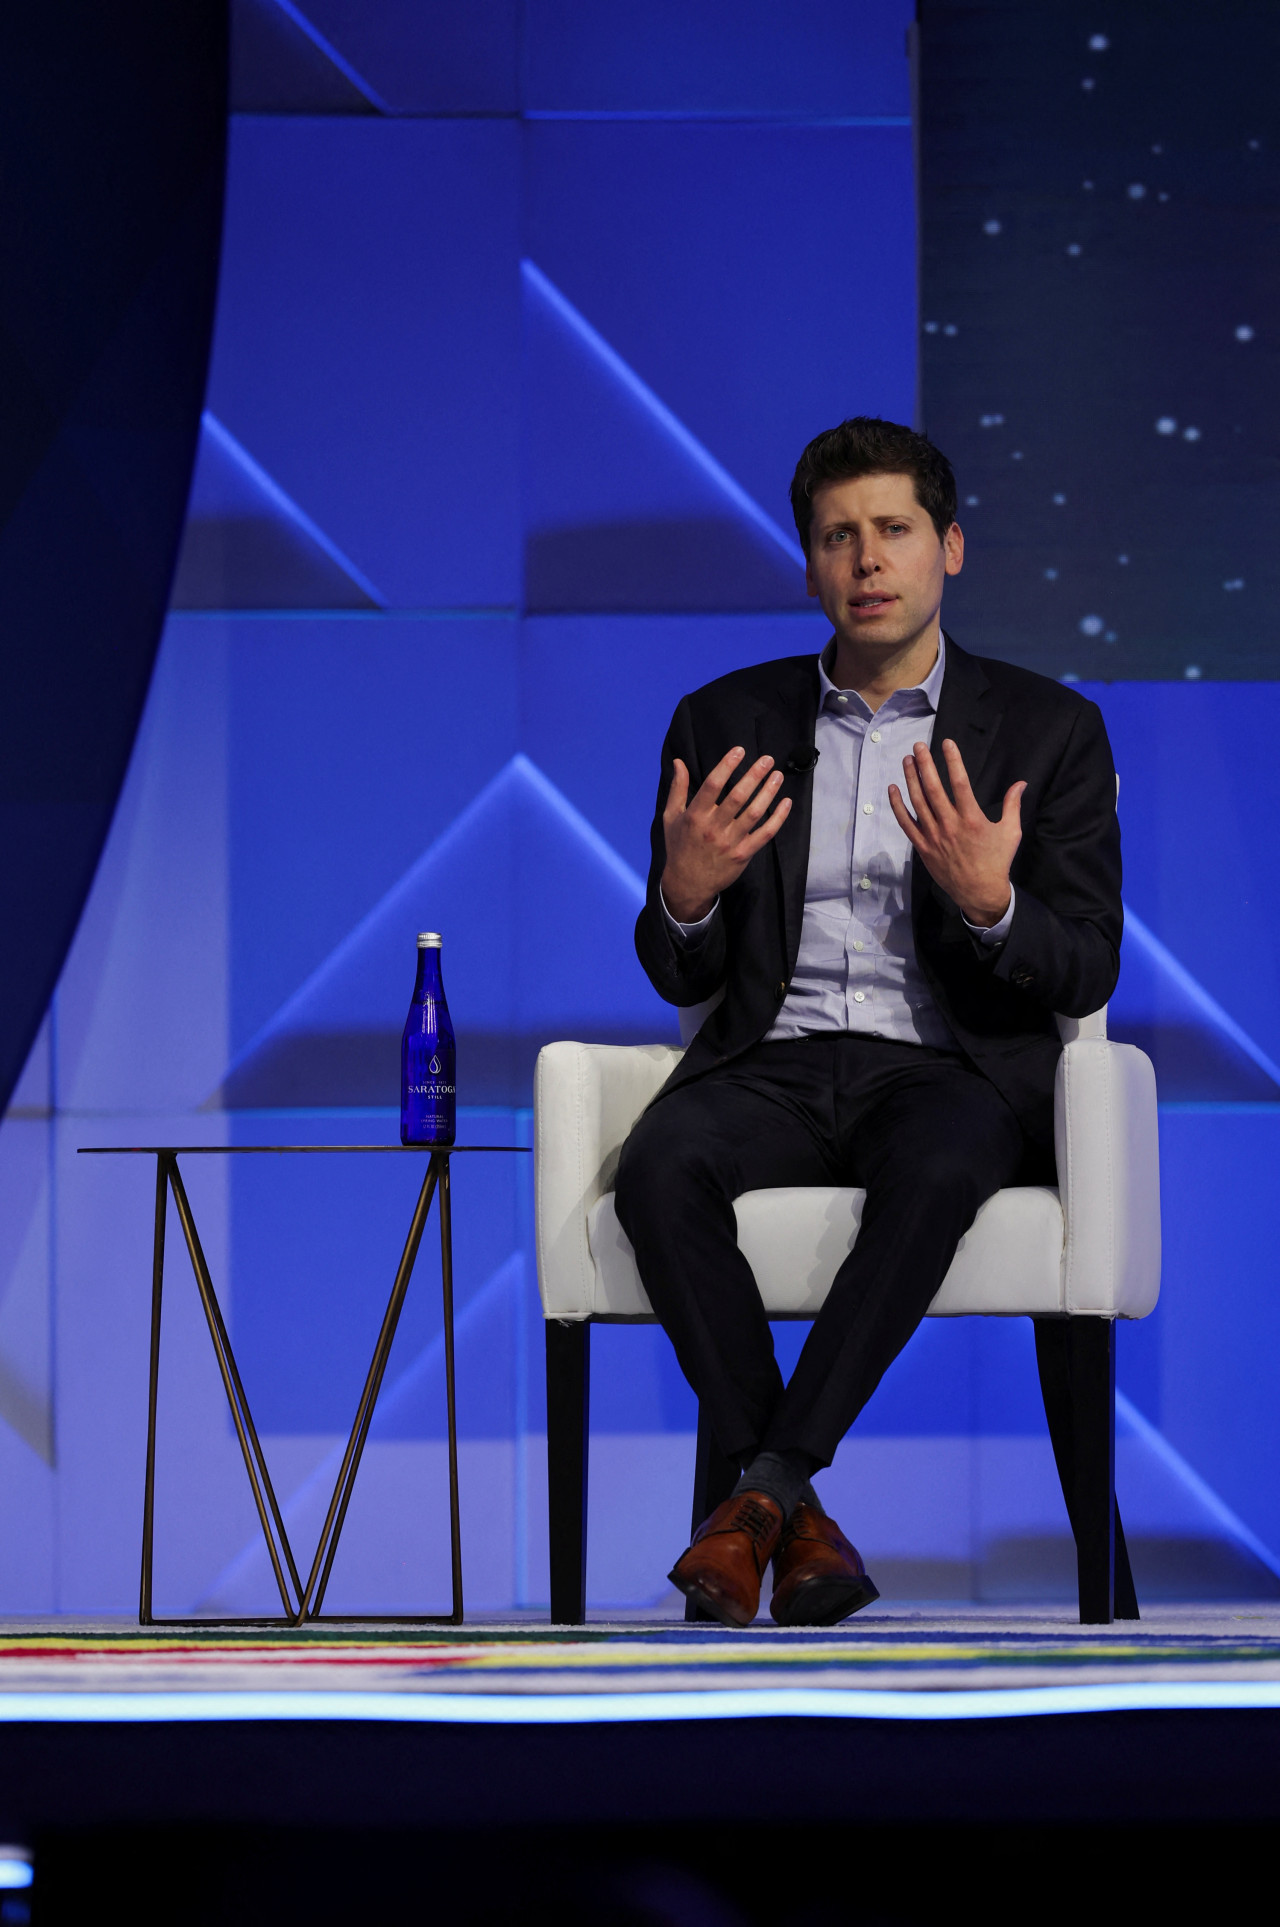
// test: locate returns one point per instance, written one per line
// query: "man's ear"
(953, 549)
(810, 586)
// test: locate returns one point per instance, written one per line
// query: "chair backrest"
(1070, 1029)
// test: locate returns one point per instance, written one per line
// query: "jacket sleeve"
(682, 974)
(1063, 947)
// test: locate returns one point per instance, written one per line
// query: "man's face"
(876, 563)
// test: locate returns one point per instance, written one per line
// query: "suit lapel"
(785, 731)
(968, 712)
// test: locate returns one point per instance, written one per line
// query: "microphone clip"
(802, 761)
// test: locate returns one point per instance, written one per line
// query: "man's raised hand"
(709, 842)
(961, 848)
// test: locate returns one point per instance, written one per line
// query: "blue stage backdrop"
(525, 314)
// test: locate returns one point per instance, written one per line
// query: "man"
(896, 862)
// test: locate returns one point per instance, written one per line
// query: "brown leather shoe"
(723, 1567)
(818, 1577)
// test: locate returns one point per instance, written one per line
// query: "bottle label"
(428, 1092)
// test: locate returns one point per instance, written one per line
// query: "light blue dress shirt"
(856, 967)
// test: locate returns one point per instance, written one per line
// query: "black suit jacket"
(1062, 953)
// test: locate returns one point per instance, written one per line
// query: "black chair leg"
(1093, 1394)
(1076, 1357)
(714, 1478)
(1126, 1596)
(568, 1442)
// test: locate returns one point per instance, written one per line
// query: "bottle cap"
(429, 940)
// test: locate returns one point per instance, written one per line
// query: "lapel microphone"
(801, 761)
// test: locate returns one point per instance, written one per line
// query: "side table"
(302, 1603)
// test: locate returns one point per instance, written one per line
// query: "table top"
(221, 1150)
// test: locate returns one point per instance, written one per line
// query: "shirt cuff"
(688, 933)
(997, 932)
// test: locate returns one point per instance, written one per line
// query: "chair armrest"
(1107, 1143)
(1072, 1028)
(586, 1097)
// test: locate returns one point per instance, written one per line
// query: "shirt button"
(842, 700)
(868, 809)
(858, 944)
(865, 883)
(875, 735)
(859, 996)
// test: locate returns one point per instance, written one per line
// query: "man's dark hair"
(865, 445)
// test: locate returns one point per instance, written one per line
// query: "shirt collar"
(930, 688)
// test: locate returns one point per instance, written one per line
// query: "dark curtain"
(112, 153)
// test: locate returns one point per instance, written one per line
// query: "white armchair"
(1074, 1259)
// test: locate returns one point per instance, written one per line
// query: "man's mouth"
(871, 601)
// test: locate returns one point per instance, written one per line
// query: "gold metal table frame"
(303, 1605)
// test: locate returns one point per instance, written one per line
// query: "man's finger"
(919, 802)
(709, 795)
(931, 782)
(678, 794)
(751, 812)
(961, 788)
(906, 821)
(743, 790)
(765, 832)
(1011, 814)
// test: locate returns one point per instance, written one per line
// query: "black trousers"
(926, 1135)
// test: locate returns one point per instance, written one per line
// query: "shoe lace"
(751, 1517)
(797, 1528)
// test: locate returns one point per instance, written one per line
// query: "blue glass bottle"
(428, 1092)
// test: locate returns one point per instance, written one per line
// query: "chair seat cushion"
(795, 1239)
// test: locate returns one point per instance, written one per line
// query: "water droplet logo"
(434, 1067)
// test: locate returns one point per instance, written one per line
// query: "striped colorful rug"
(901, 1656)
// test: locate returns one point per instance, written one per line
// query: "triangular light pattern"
(626, 510)
(1200, 1053)
(282, 64)
(485, 1335)
(247, 544)
(537, 913)
(1185, 1540)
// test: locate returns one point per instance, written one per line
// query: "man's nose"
(868, 562)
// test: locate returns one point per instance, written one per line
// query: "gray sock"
(784, 1476)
